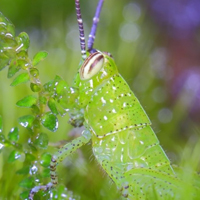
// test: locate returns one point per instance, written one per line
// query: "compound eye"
(91, 65)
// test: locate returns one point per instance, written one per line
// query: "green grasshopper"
(123, 141)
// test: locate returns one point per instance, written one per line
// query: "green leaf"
(40, 56)
(22, 41)
(52, 106)
(4, 60)
(27, 183)
(27, 101)
(26, 121)
(22, 78)
(13, 135)
(30, 157)
(35, 87)
(34, 72)
(48, 87)
(24, 195)
(14, 155)
(13, 68)
(45, 173)
(43, 100)
(24, 170)
(1, 124)
(42, 141)
(45, 159)
(50, 121)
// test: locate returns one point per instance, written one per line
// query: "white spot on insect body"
(124, 104)
(114, 111)
(105, 117)
(91, 83)
(122, 154)
(103, 100)
(111, 100)
(114, 88)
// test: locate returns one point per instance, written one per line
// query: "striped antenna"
(81, 30)
(94, 25)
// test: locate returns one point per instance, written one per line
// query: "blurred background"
(156, 46)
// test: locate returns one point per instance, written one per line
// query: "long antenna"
(94, 25)
(81, 29)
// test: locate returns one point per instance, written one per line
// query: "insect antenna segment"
(81, 29)
(94, 26)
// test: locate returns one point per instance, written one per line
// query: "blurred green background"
(157, 52)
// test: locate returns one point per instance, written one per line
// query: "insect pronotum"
(123, 141)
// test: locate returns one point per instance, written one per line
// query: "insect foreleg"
(63, 152)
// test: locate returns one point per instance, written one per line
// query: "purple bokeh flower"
(179, 17)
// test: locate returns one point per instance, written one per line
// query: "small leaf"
(22, 78)
(52, 106)
(42, 141)
(43, 100)
(34, 72)
(50, 121)
(1, 124)
(45, 173)
(27, 183)
(48, 87)
(14, 155)
(13, 135)
(24, 170)
(40, 56)
(30, 157)
(26, 121)
(22, 41)
(45, 159)
(4, 60)
(35, 87)
(27, 101)
(13, 68)
(24, 195)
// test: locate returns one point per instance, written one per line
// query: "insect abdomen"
(114, 108)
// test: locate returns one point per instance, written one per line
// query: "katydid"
(123, 141)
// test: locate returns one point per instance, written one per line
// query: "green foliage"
(14, 56)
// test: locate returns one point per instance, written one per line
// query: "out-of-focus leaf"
(27, 183)
(27, 101)
(23, 170)
(22, 78)
(52, 106)
(42, 141)
(13, 68)
(14, 155)
(22, 41)
(24, 195)
(40, 56)
(50, 121)
(34, 72)
(4, 60)
(26, 121)
(45, 159)
(13, 135)
(35, 87)
(30, 157)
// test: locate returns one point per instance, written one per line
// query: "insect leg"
(63, 152)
